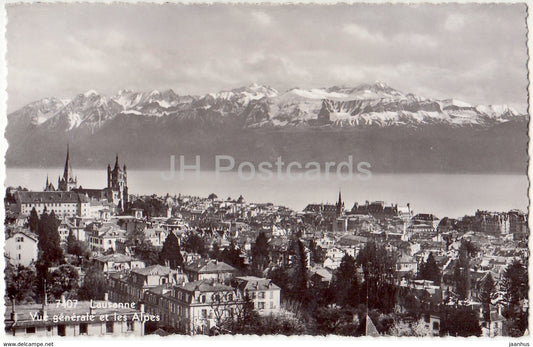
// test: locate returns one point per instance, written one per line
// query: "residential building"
(113, 263)
(264, 294)
(195, 307)
(209, 269)
(105, 238)
(130, 286)
(21, 248)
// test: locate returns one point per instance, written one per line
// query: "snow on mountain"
(148, 102)
(37, 112)
(256, 105)
(90, 93)
(246, 94)
(318, 94)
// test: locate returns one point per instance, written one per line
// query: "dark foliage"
(171, 253)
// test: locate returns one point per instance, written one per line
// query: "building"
(406, 264)
(156, 236)
(327, 211)
(495, 223)
(378, 209)
(82, 319)
(63, 204)
(113, 263)
(195, 307)
(117, 181)
(21, 248)
(131, 286)
(518, 224)
(106, 238)
(209, 269)
(261, 291)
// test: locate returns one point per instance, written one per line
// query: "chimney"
(142, 308)
(106, 296)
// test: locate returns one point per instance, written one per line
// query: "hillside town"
(220, 265)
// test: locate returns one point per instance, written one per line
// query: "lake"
(440, 194)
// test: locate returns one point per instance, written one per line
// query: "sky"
(474, 53)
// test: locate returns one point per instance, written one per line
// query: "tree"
(485, 295)
(317, 254)
(280, 277)
(215, 251)
(71, 240)
(461, 321)
(171, 253)
(94, 285)
(379, 266)
(345, 282)
(429, 270)
(515, 285)
(320, 293)
(462, 270)
(33, 221)
(147, 253)
(77, 248)
(260, 254)
(417, 328)
(192, 242)
(151, 206)
(232, 256)
(49, 241)
(20, 283)
(63, 280)
(298, 271)
(330, 320)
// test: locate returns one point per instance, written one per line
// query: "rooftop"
(208, 266)
(154, 270)
(24, 197)
(205, 286)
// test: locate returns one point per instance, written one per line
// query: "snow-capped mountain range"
(392, 130)
(374, 104)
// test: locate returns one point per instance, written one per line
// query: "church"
(116, 191)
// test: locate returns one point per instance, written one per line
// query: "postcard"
(342, 170)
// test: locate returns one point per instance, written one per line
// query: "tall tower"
(340, 205)
(117, 180)
(67, 182)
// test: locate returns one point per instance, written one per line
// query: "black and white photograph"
(314, 170)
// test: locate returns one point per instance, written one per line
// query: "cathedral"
(116, 191)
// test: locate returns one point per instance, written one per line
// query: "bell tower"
(117, 180)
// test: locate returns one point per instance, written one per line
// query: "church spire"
(117, 167)
(340, 204)
(67, 165)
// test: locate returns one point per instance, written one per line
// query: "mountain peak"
(90, 92)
